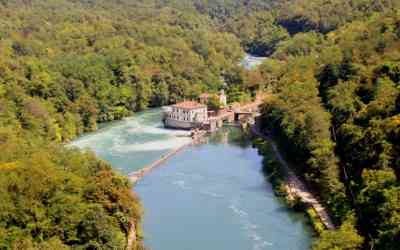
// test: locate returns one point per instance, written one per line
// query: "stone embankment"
(136, 176)
(296, 186)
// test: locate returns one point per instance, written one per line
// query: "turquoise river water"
(211, 196)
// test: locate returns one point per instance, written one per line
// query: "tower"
(222, 98)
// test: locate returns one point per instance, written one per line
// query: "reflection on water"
(134, 142)
(209, 196)
(231, 136)
(215, 196)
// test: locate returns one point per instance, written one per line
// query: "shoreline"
(136, 176)
(295, 186)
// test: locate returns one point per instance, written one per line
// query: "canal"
(209, 196)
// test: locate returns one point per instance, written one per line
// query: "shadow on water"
(232, 136)
(211, 196)
(242, 139)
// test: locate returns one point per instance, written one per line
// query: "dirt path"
(296, 186)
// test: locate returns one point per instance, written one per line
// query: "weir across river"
(241, 114)
(246, 114)
(136, 176)
(212, 195)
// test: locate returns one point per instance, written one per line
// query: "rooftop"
(189, 105)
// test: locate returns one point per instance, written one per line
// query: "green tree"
(344, 238)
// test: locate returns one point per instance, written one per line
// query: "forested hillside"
(262, 24)
(70, 64)
(55, 198)
(334, 71)
(67, 65)
(336, 107)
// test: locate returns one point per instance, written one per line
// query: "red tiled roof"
(189, 105)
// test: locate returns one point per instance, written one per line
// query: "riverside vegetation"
(66, 65)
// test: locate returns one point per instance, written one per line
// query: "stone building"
(186, 115)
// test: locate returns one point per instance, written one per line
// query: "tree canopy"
(336, 107)
(67, 65)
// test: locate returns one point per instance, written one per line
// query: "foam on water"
(212, 194)
(201, 186)
(134, 142)
(157, 129)
(181, 184)
(238, 211)
(170, 143)
(139, 133)
(250, 229)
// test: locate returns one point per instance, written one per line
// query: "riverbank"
(294, 186)
(220, 180)
(194, 186)
(138, 175)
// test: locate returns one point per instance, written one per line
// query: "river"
(250, 62)
(210, 196)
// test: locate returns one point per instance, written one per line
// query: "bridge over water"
(239, 115)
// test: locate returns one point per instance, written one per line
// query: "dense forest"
(67, 65)
(336, 108)
(57, 198)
